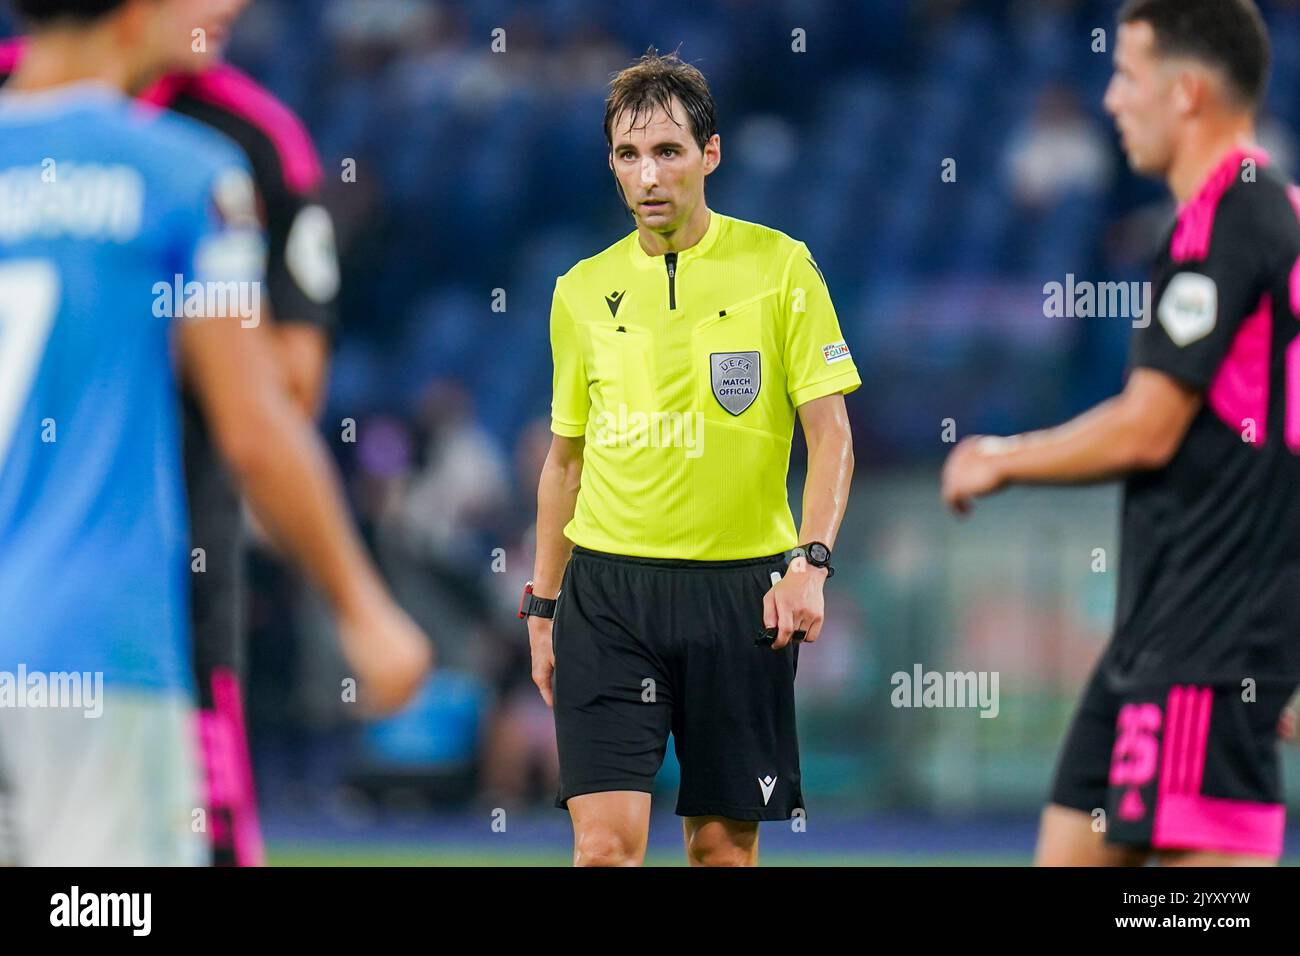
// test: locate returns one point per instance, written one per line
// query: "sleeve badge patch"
(1189, 308)
(835, 352)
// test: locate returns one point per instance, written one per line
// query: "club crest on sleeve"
(835, 352)
(1189, 307)
(736, 379)
(234, 197)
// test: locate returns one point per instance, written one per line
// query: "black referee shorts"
(645, 646)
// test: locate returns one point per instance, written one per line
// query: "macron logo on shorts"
(767, 785)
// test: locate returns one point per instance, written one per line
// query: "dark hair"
(38, 12)
(654, 81)
(1228, 34)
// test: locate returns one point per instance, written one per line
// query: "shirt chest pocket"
(622, 365)
(734, 362)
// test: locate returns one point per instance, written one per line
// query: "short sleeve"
(302, 271)
(224, 247)
(817, 359)
(570, 400)
(1198, 306)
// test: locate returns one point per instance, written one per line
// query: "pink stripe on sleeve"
(11, 51)
(1191, 239)
(227, 87)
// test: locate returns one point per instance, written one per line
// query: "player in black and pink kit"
(302, 280)
(1176, 736)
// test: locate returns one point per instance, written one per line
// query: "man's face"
(1145, 100)
(661, 168)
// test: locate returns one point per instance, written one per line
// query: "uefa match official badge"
(736, 378)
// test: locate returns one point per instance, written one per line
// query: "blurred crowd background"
(481, 176)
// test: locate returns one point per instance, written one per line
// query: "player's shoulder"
(175, 147)
(174, 136)
(1258, 205)
(185, 164)
(741, 234)
(103, 121)
(1246, 204)
(593, 268)
(1255, 220)
(771, 256)
(253, 116)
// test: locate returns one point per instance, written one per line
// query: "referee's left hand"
(795, 603)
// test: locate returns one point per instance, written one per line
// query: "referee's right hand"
(539, 639)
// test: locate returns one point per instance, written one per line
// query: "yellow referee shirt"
(683, 373)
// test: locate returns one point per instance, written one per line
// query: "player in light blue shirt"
(131, 252)
(102, 204)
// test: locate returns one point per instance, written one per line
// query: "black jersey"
(1210, 562)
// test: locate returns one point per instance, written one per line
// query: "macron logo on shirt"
(614, 300)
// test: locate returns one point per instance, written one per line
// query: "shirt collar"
(1223, 175)
(56, 99)
(643, 260)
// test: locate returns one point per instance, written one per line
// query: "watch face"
(818, 554)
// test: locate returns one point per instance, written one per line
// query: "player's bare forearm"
(795, 604)
(277, 458)
(303, 355)
(1102, 444)
(285, 472)
(830, 468)
(557, 496)
(1140, 429)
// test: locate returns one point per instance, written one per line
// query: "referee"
(681, 354)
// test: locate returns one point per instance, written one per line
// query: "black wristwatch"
(816, 554)
(533, 606)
